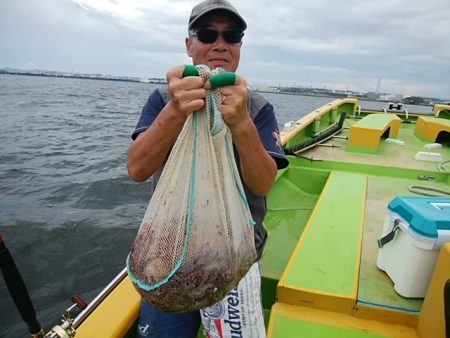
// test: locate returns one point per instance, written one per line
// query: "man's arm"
(258, 167)
(148, 152)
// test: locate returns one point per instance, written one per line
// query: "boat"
(326, 213)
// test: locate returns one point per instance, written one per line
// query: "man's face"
(219, 53)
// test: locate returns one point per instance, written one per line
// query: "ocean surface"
(68, 210)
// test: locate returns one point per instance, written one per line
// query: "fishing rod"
(18, 291)
(21, 298)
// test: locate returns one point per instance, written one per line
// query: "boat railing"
(315, 115)
(99, 298)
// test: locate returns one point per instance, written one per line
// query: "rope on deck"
(421, 190)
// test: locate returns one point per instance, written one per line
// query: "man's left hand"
(234, 103)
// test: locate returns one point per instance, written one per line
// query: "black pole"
(17, 289)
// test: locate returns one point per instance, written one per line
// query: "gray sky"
(349, 44)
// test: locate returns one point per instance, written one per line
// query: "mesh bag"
(196, 240)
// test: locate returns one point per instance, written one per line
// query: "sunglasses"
(231, 36)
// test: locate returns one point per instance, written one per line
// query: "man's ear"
(188, 42)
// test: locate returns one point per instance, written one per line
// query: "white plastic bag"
(240, 313)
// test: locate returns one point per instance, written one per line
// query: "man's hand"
(257, 166)
(234, 104)
(187, 94)
(148, 152)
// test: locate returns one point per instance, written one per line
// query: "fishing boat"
(328, 212)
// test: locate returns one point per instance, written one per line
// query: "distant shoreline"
(84, 77)
(337, 96)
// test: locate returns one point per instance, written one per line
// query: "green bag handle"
(217, 80)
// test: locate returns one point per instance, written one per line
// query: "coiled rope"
(441, 166)
(426, 191)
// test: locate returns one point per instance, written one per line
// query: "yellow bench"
(429, 127)
(438, 108)
(365, 135)
(323, 270)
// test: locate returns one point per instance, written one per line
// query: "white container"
(423, 225)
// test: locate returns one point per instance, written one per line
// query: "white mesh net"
(196, 240)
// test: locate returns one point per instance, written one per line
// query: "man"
(215, 39)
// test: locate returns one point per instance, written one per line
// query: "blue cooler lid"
(425, 215)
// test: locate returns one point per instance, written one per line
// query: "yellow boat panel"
(432, 319)
(114, 316)
(428, 128)
(367, 132)
(289, 321)
(440, 107)
(314, 116)
(384, 314)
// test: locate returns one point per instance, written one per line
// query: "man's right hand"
(187, 94)
(148, 152)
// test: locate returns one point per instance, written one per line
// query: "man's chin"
(215, 64)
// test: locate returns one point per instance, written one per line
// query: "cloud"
(383, 39)
(348, 43)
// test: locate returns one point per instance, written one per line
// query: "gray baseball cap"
(209, 6)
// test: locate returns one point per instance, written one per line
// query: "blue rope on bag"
(218, 78)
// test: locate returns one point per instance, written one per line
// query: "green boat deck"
(376, 288)
(326, 213)
(285, 222)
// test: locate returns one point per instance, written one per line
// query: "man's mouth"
(218, 60)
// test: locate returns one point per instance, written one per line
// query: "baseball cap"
(208, 6)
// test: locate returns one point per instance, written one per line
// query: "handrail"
(99, 298)
(312, 116)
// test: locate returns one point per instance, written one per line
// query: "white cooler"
(414, 230)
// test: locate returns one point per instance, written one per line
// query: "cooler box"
(414, 230)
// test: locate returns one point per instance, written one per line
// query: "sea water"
(68, 210)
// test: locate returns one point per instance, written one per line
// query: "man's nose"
(220, 43)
